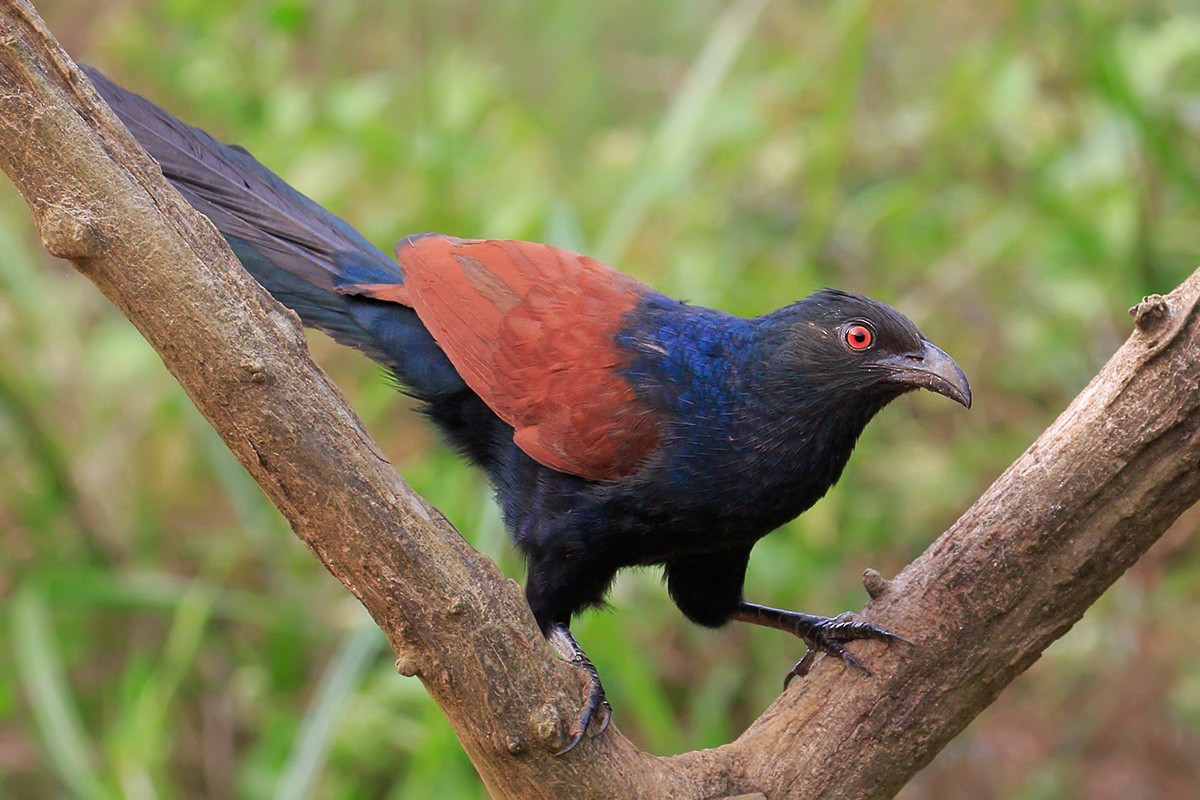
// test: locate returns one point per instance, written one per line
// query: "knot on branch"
(253, 371)
(1149, 313)
(549, 726)
(68, 233)
(874, 583)
(410, 664)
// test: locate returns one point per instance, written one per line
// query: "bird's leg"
(820, 634)
(594, 703)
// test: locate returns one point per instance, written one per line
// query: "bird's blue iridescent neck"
(685, 357)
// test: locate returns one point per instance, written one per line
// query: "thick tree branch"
(1013, 574)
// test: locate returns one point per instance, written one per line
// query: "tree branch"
(1013, 574)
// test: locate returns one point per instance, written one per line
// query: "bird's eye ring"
(859, 337)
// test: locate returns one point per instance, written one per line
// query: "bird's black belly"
(644, 519)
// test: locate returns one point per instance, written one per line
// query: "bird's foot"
(829, 635)
(595, 704)
(821, 634)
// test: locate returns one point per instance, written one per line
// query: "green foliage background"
(1011, 175)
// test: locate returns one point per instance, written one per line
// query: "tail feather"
(297, 250)
(242, 197)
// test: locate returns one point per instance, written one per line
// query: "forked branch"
(1013, 574)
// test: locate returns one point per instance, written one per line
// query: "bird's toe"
(846, 627)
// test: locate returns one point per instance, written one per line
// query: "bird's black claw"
(802, 667)
(571, 745)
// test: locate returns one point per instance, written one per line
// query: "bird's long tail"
(297, 250)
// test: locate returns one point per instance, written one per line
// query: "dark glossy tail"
(297, 250)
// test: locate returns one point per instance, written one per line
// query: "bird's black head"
(854, 350)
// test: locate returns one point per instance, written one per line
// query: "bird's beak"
(930, 368)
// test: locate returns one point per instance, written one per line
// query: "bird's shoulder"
(688, 358)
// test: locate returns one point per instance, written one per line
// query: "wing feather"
(532, 330)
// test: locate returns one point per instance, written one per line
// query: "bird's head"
(855, 350)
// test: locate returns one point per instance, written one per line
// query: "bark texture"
(1011, 576)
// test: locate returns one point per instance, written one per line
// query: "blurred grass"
(1012, 176)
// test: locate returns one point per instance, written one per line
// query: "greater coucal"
(619, 426)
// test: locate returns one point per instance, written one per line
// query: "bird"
(619, 427)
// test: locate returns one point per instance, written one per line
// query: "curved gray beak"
(929, 368)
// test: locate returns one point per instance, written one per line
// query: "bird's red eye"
(859, 337)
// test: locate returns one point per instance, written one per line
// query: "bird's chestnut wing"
(531, 329)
